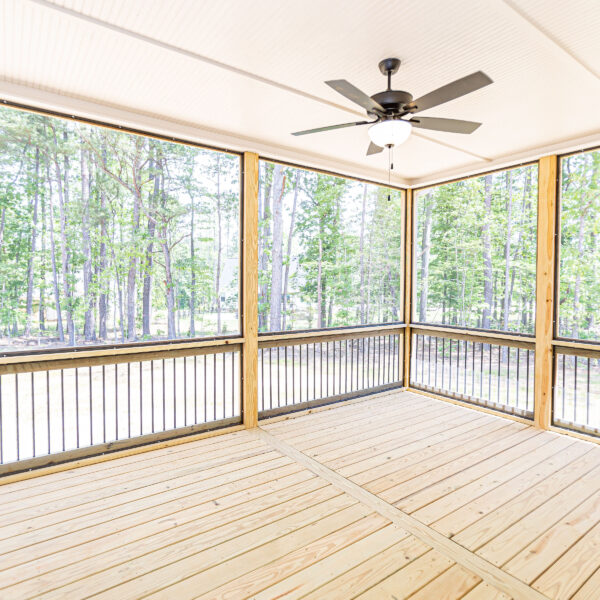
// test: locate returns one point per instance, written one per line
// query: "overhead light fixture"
(391, 132)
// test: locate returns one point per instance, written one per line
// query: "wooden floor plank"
(450, 585)
(484, 591)
(492, 499)
(531, 525)
(137, 524)
(410, 579)
(413, 440)
(437, 482)
(370, 572)
(320, 568)
(240, 558)
(397, 496)
(232, 473)
(569, 573)
(54, 480)
(111, 483)
(503, 468)
(422, 457)
(175, 556)
(589, 590)
(494, 523)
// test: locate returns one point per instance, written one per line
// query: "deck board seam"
(476, 564)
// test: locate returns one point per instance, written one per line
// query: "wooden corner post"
(408, 264)
(544, 314)
(250, 291)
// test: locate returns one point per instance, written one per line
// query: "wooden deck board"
(397, 496)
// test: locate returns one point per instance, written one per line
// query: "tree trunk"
(277, 252)
(149, 261)
(89, 301)
(59, 323)
(29, 301)
(219, 246)
(425, 253)
(487, 255)
(288, 260)
(192, 271)
(62, 179)
(362, 254)
(507, 245)
(264, 242)
(319, 286)
(103, 299)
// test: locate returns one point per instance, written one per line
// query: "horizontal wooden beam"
(34, 366)
(483, 337)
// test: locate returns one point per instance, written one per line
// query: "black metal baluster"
(518, 370)
(91, 402)
(76, 402)
(587, 398)
(465, 376)
(278, 379)
(450, 367)
(498, 377)
(508, 376)
(563, 385)
(214, 387)
(129, 399)
(575, 391)
(490, 373)
(271, 377)
(527, 383)
(195, 392)
(116, 404)
(185, 408)
(47, 411)
(104, 404)
(17, 415)
(32, 415)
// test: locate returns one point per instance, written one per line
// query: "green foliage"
(475, 252)
(579, 311)
(341, 246)
(96, 236)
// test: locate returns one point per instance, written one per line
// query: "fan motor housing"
(392, 100)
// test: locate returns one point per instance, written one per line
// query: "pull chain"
(390, 168)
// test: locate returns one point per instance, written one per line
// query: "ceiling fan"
(393, 110)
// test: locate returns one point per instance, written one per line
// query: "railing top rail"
(486, 337)
(70, 360)
(585, 349)
(327, 335)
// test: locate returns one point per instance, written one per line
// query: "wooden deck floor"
(397, 496)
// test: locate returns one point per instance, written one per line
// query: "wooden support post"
(250, 291)
(408, 264)
(544, 314)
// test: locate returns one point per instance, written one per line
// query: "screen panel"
(108, 237)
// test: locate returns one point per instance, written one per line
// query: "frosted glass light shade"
(390, 133)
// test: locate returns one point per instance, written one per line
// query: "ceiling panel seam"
(232, 69)
(515, 10)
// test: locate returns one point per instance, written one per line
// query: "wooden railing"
(490, 370)
(303, 370)
(56, 408)
(576, 397)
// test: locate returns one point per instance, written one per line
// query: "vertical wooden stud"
(250, 291)
(544, 313)
(408, 264)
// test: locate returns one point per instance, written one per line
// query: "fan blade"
(448, 92)
(330, 127)
(374, 149)
(450, 125)
(345, 88)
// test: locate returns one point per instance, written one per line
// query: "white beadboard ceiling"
(245, 74)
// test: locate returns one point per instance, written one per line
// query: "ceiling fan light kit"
(393, 110)
(390, 132)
